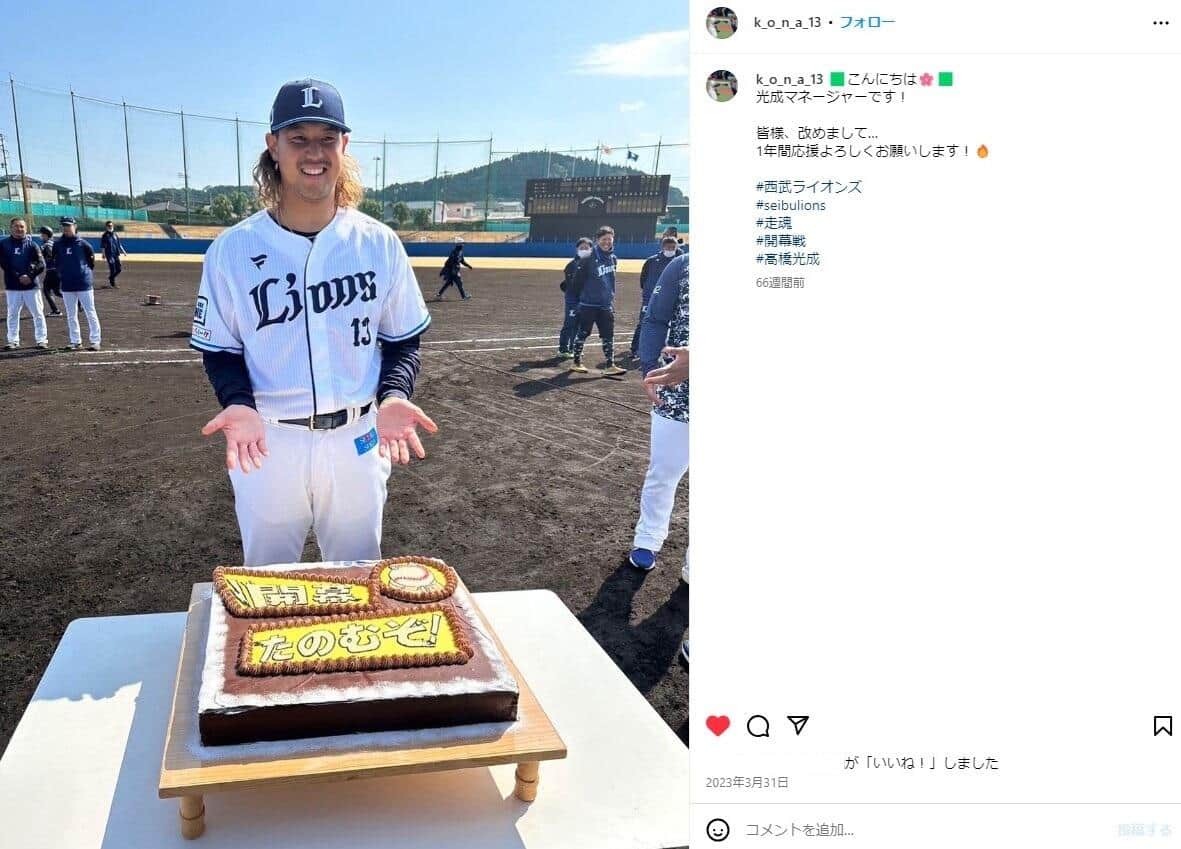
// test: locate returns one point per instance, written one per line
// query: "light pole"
(376, 160)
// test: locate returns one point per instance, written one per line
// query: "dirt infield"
(114, 504)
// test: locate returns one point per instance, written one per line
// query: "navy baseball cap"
(66, 219)
(307, 100)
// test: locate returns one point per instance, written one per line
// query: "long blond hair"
(269, 184)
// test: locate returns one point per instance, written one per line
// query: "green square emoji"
(837, 78)
(945, 78)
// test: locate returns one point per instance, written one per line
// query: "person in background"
(112, 250)
(649, 274)
(74, 259)
(21, 261)
(451, 274)
(596, 301)
(665, 332)
(569, 287)
(50, 282)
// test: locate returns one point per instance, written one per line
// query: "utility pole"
(436, 203)
(7, 178)
(376, 160)
(127, 145)
(20, 159)
(488, 185)
(184, 155)
(656, 164)
(78, 155)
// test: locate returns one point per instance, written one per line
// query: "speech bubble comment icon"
(758, 726)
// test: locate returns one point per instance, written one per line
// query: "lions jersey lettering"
(308, 329)
(325, 295)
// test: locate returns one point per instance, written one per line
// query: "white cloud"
(632, 106)
(657, 54)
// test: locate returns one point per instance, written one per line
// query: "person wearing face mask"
(569, 287)
(50, 282)
(649, 274)
(21, 261)
(596, 301)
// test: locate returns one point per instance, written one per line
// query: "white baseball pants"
(73, 300)
(317, 479)
(29, 299)
(668, 461)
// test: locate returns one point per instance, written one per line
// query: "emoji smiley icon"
(717, 830)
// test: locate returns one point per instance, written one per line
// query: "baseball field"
(113, 503)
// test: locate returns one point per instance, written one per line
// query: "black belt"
(326, 421)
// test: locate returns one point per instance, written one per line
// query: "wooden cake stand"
(529, 741)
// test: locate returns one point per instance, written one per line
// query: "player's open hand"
(669, 375)
(397, 430)
(245, 433)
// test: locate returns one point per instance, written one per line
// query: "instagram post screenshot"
(934, 514)
(346, 376)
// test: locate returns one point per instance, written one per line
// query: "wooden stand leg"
(526, 789)
(192, 817)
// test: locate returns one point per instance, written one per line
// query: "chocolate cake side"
(235, 708)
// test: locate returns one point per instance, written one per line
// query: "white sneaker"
(685, 650)
(685, 573)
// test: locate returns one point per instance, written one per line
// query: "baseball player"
(74, 259)
(21, 261)
(649, 274)
(665, 324)
(112, 250)
(50, 282)
(596, 301)
(450, 271)
(308, 318)
(569, 287)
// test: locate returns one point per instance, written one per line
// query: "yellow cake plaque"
(426, 636)
(253, 593)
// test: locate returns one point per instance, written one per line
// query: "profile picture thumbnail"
(722, 86)
(721, 22)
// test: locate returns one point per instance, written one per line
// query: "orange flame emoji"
(982, 152)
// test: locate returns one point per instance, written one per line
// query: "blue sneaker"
(642, 559)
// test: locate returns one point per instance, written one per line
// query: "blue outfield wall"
(546, 250)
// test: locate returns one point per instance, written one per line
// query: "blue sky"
(531, 74)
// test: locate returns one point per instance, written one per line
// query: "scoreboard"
(640, 194)
(569, 207)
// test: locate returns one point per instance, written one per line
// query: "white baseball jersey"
(307, 314)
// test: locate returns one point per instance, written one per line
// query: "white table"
(82, 767)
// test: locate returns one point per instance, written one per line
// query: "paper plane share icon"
(798, 722)
(1162, 724)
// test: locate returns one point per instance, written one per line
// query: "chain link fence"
(99, 159)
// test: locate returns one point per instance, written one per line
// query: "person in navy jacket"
(649, 274)
(112, 250)
(74, 258)
(21, 261)
(569, 287)
(50, 285)
(596, 301)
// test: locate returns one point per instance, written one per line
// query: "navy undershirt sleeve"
(231, 381)
(400, 363)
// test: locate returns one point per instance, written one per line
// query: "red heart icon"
(717, 724)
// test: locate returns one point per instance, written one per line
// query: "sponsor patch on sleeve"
(366, 442)
(199, 312)
(202, 333)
